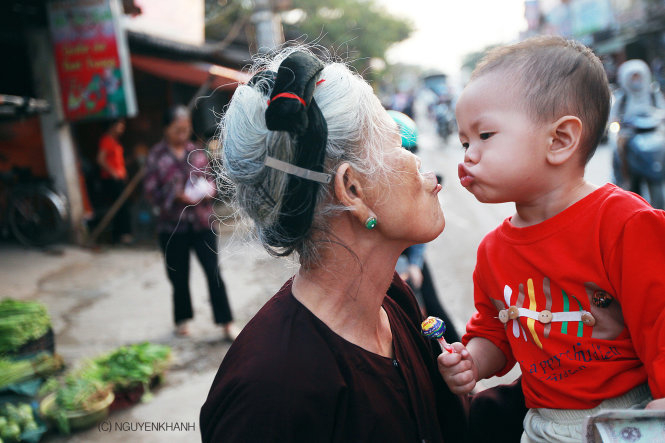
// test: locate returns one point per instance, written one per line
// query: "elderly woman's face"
(408, 206)
(179, 131)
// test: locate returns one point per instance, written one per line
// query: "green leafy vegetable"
(15, 371)
(20, 322)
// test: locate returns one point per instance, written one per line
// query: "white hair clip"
(307, 174)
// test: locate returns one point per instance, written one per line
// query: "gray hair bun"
(291, 214)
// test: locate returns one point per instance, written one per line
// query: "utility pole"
(268, 26)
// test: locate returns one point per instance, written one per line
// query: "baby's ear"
(566, 137)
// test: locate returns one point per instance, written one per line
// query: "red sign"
(86, 53)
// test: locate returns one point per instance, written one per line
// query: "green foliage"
(356, 30)
(220, 16)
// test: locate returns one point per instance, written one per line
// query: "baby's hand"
(458, 369)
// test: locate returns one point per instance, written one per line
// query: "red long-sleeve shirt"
(609, 243)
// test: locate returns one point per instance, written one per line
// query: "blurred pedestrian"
(113, 173)
(179, 185)
(638, 101)
(337, 354)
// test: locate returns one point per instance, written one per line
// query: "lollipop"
(434, 327)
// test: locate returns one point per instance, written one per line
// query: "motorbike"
(643, 156)
(444, 116)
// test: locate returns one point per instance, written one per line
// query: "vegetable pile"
(20, 322)
(136, 364)
(16, 371)
(79, 391)
(16, 420)
(124, 368)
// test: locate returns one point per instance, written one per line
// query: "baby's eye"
(465, 146)
(486, 135)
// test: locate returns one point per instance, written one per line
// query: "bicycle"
(34, 213)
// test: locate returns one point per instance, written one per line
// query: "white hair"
(357, 128)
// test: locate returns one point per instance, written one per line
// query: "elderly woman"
(336, 355)
(178, 186)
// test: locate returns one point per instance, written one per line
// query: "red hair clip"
(290, 95)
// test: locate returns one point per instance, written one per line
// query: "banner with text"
(92, 59)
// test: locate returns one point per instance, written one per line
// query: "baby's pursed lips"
(465, 176)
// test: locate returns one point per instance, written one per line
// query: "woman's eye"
(486, 135)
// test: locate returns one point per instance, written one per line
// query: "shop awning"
(191, 73)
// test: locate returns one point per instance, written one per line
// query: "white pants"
(544, 425)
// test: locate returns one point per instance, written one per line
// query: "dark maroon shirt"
(289, 378)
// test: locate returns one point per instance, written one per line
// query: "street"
(99, 300)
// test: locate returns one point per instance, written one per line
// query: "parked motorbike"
(643, 157)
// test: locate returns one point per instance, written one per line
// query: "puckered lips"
(465, 177)
(430, 178)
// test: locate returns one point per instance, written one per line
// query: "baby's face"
(504, 149)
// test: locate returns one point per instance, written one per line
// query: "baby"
(571, 286)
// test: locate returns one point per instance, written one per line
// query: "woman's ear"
(566, 137)
(349, 192)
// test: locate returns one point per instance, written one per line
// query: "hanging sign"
(91, 58)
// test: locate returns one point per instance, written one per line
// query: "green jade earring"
(370, 223)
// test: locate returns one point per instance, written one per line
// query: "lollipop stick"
(444, 345)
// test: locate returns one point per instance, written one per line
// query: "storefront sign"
(91, 58)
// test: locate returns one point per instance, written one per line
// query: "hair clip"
(288, 95)
(307, 174)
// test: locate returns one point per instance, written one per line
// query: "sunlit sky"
(446, 30)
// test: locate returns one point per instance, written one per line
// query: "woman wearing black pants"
(180, 186)
(176, 248)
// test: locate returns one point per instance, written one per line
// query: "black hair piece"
(297, 75)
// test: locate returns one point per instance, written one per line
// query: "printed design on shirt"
(571, 316)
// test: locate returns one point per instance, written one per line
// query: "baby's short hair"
(556, 77)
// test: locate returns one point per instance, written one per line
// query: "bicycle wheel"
(37, 216)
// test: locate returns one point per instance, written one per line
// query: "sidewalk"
(118, 296)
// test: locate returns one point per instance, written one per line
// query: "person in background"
(178, 183)
(637, 96)
(113, 173)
